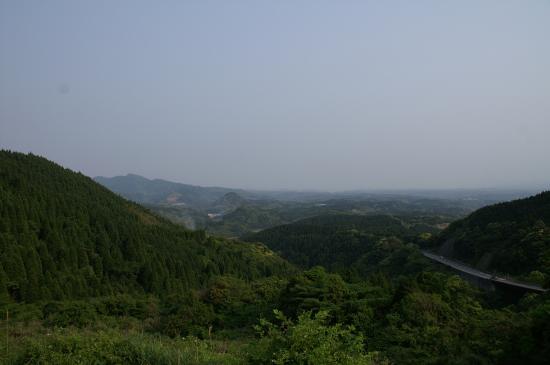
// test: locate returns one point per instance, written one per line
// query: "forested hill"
(64, 236)
(344, 242)
(512, 237)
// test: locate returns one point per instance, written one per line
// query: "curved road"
(480, 274)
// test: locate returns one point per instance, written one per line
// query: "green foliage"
(186, 315)
(83, 313)
(333, 241)
(245, 219)
(308, 341)
(63, 236)
(77, 314)
(428, 321)
(313, 290)
(88, 277)
(113, 348)
(511, 237)
(354, 246)
(529, 342)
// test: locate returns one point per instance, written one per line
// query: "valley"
(274, 182)
(236, 212)
(86, 274)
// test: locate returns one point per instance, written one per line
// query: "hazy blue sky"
(282, 94)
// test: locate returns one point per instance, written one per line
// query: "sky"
(295, 94)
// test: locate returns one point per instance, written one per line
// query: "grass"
(32, 343)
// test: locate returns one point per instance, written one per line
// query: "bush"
(309, 341)
(186, 315)
(77, 314)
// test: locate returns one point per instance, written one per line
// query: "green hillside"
(87, 277)
(512, 237)
(64, 236)
(341, 242)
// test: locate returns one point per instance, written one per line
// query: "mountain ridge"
(64, 236)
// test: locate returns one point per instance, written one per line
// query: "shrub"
(77, 314)
(308, 341)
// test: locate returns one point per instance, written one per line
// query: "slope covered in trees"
(512, 237)
(382, 286)
(63, 236)
(343, 242)
(166, 295)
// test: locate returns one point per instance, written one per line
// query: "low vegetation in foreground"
(313, 317)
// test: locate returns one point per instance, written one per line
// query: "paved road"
(480, 274)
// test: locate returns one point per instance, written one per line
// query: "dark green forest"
(63, 236)
(87, 277)
(511, 237)
(350, 244)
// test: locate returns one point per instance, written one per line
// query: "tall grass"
(76, 346)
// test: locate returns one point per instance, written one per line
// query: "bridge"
(483, 279)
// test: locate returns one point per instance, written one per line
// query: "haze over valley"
(236, 212)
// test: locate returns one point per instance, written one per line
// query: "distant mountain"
(234, 215)
(512, 237)
(63, 236)
(157, 191)
(229, 202)
(143, 190)
(237, 212)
